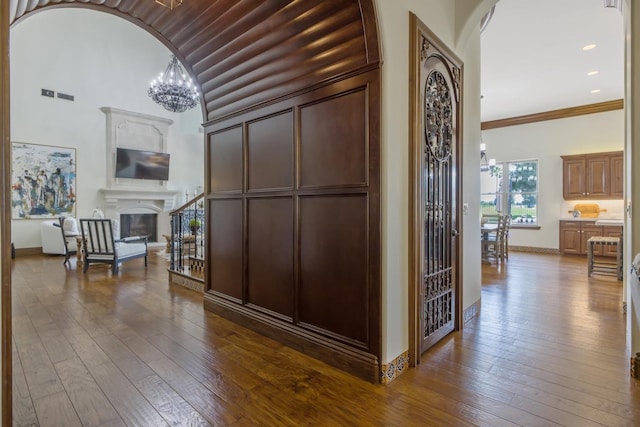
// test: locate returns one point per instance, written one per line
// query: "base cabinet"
(574, 236)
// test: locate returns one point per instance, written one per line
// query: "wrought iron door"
(440, 107)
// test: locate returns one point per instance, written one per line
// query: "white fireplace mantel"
(117, 200)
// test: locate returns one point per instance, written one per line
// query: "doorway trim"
(417, 29)
(5, 219)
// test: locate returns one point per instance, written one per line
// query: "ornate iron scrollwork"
(438, 116)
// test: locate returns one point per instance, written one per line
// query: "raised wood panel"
(270, 152)
(574, 185)
(333, 143)
(246, 52)
(598, 177)
(270, 254)
(570, 240)
(225, 247)
(617, 176)
(225, 160)
(333, 265)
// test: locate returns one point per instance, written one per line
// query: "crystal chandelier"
(171, 4)
(173, 89)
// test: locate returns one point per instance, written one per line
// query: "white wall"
(547, 141)
(103, 61)
(393, 18)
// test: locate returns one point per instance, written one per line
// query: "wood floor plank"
(130, 365)
(469, 358)
(173, 408)
(489, 400)
(547, 349)
(24, 413)
(537, 397)
(56, 410)
(209, 405)
(91, 405)
(133, 408)
(40, 374)
(88, 350)
(222, 385)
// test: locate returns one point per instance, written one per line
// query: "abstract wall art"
(43, 181)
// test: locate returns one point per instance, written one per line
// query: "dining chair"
(494, 242)
(505, 237)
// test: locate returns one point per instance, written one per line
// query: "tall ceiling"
(532, 57)
(246, 52)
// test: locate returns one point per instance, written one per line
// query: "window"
(514, 192)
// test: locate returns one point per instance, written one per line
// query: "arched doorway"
(319, 52)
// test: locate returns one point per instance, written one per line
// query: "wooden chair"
(100, 246)
(495, 244)
(505, 237)
(69, 230)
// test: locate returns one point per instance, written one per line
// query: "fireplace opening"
(132, 225)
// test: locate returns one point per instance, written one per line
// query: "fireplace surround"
(127, 129)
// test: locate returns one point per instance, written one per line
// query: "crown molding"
(562, 113)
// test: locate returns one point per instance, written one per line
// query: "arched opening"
(323, 55)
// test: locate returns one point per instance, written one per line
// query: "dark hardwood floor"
(548, 348)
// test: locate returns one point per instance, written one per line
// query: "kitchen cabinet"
(575, 234)
(617, 176)
(570, 237)
(593, 176)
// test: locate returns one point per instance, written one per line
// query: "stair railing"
(187, 241)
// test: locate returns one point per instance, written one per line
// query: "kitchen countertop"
(610, 221)
(601, 220)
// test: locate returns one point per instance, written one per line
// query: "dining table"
(485, 230)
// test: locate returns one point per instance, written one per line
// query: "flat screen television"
(137, 164)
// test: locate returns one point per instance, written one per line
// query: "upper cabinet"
(593, 176)
(617, 176)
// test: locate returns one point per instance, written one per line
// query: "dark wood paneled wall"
(295, 243)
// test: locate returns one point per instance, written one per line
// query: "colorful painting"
(43, 181)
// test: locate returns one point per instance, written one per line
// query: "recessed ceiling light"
(595, 91)
(592, 73)
(589, 47)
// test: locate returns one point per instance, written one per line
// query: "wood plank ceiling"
(241, 52)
